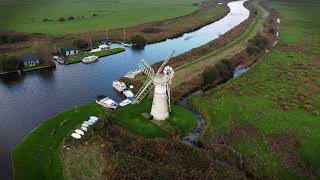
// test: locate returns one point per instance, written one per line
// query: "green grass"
(267, 97)
(131, 118)
(76, 59)
(37, 67)
(38, 156)
(27, 16)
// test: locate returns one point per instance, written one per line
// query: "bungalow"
(104, 41)
(70, 51)
(30, 60)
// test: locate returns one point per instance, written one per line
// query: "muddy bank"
(208, 12)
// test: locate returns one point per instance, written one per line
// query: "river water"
(27, 100)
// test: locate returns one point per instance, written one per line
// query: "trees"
(81, 43)
(138, 40)
(8, 63)
(220, 72)
(45, 55)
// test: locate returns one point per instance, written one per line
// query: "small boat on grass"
(128, 94)
(106, 102)
(119, 86)
(76, 136)
(125, 102)
(90, 59)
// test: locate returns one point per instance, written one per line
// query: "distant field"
(28, 15)
(272, 112)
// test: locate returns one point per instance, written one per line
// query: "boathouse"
(30, 60)
(70, 51)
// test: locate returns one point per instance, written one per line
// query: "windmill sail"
(165, 62)
(143, 91)
(146, 68)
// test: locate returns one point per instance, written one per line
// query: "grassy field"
(274, 109)
(38, 156)
(76, 59)
(131, 118)
(27, 16)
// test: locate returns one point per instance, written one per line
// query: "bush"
(12, 38)
(94, 14)
(80, 43)
(70, 18)
(61, 19)
(251, 49)
(8, 63)
(218, 73)
(138, 40)
(45, 20)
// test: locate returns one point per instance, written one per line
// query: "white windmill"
(161, 82)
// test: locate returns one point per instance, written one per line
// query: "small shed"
(70, 51)
(29, 60)
(104, 41)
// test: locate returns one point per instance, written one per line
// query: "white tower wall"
(159, 109)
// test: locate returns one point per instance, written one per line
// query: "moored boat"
(58, 59)
(128, 94)
(90, 59)
(106, 102)
(125, 102)
(119, 86)
(132, 74)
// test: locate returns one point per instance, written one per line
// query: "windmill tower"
(161, 81)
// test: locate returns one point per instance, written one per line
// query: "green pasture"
(278, 96)
(28, 16)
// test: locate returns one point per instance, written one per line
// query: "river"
(27, 100)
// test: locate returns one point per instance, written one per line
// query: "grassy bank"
(76, 59)
(38, 156)
(271, 113)
(131, 118)
(38, 67)
(88, 15)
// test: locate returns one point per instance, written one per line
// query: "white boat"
(76, 136)
(94, 118)
(128, 94)
(90, 59)
(84, 128)
(106, 102)
(125, 102)
(58, 59)
(104, 47)
(78, 131)
(84, 125)
(132, 74)
(124, 39)
(119, 86)
(126, 45)
(187, 38)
